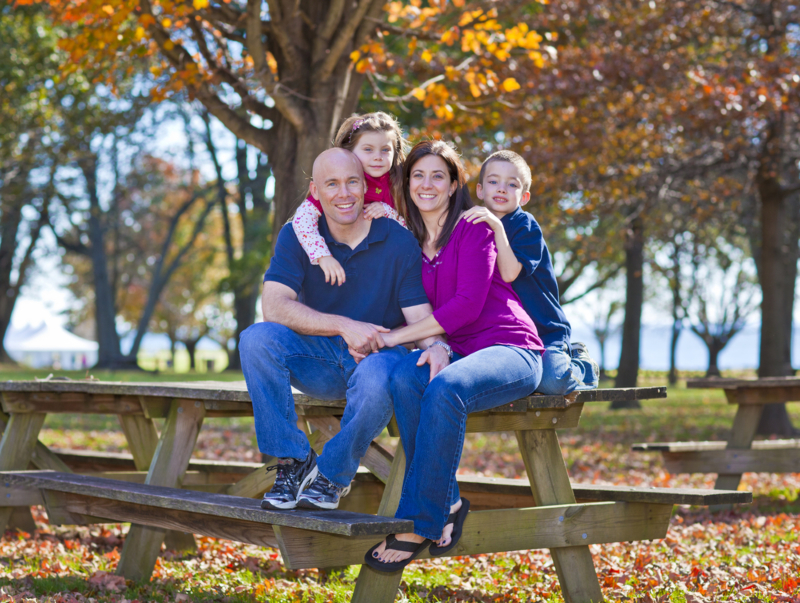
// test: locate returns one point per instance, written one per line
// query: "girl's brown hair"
(460, 200)
(351, 130)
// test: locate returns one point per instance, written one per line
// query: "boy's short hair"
(516, 160)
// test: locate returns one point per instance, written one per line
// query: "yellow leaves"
(537, 58)
(166, 23)
(355, 55)
(418, 93)
(108, 9)
(510, 84)
(450, 36)
(138, 34)
(169, 45)
(469, 17)
(272, 63)
(146, 20)
(426, 56)
(200, 4)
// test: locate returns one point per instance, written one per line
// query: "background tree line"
(662, 135)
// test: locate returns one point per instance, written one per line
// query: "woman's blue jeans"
(432, 418)
(275, 358)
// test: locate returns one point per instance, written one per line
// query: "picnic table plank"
(20, 436)
(343, 523)
(170, 461)
(760, 383)
(550, 485)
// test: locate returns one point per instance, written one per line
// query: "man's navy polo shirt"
(384, 274)
(536, 284)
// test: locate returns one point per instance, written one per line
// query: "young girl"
(376, 139)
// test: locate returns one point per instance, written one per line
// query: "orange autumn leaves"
(456, 51)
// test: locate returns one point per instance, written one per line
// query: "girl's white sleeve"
(390, 212)
(306, 226)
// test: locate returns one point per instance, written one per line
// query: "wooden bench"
(740, 454)
(547, 516)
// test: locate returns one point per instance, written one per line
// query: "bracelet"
(446, 347)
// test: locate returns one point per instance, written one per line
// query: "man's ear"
(479, 191)
(526, 196)
(312, 188)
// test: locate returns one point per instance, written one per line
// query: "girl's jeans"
(275, 358)
(432, 418)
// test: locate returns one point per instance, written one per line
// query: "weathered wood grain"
(222, 505)
(550, 486)
(565, 418)
(712, 445)
(763, 382)
(734, 461)
(236, 391)
(763, 395)
(555, 527)
(16, 448)
(744, 428)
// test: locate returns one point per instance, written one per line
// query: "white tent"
(50, 345)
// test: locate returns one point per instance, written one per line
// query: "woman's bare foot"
(392, 556)
(447, 533)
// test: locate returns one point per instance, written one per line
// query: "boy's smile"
(501, 190)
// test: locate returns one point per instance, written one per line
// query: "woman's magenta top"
(471, 302)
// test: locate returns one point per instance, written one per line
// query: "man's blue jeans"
(562, 374)
(432, 418)
(274, 358)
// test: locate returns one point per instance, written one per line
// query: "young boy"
(524, 261)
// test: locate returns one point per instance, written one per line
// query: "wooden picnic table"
(509, 514)
(740, 454)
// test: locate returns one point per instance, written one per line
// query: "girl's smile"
(375, 150)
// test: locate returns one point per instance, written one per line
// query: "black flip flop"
(457, 519)
(396, 545)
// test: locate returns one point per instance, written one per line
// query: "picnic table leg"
(372, 586)
(142, 437)
(745, 424)
(171, 459)
(550, 485)
(20, 436)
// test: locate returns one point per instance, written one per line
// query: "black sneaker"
(322, 494)
(581, 352)
(292, 478)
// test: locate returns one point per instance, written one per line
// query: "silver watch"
(446, 347)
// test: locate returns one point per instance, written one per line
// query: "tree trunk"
(109, 353)
(628, 370)
(714, 348)
(601, 342)
(9, 231)
(777, 271)
(677, 320)
(191, 348)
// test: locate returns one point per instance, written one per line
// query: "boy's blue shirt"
(536, 284)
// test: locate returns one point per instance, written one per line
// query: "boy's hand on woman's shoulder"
(476, 215)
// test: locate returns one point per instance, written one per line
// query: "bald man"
(325, 340)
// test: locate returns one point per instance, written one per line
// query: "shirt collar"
(378, 231)
(509, 217)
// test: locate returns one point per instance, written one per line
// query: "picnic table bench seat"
(333, 538)
(151, 489)
(741, 453)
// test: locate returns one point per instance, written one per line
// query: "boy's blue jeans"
(275, 358)
(563, 374)
(432, 419)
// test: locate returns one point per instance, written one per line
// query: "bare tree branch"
(343, 39)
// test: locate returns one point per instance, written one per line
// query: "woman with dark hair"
(496, 354)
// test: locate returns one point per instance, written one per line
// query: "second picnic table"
(509, 515)
(741, 453)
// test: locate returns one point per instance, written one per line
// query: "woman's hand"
(374, 211)
(477, 214)
(334, 273)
